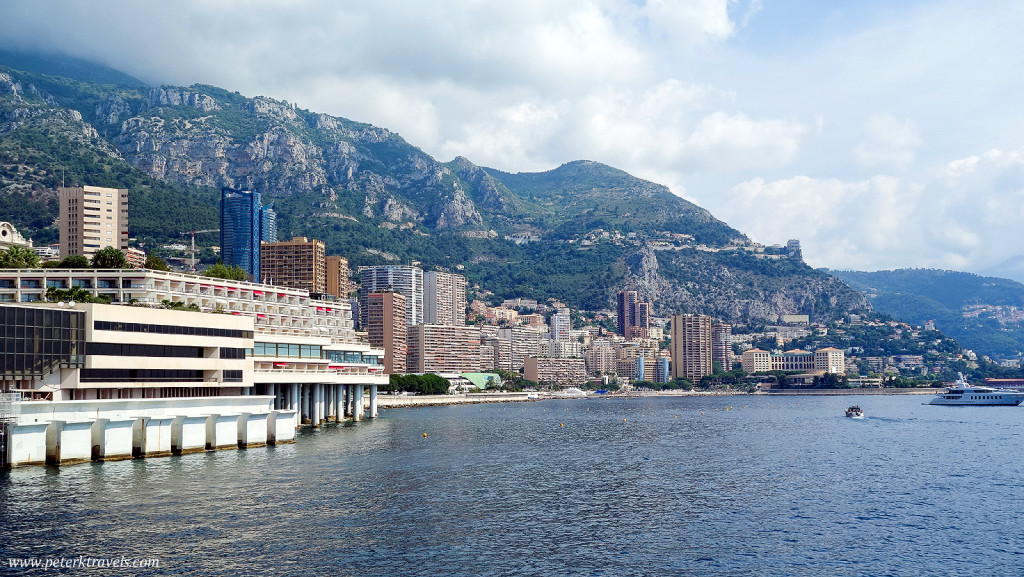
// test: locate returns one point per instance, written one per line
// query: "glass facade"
(170, 330)
(37, 341)
(351, 357)
(244, 222)
(285, 350)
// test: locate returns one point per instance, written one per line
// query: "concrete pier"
(151, 437)
(281, 427)
(68, 442)
(112, 439)
(188, 435)
(28, 444)
(221, 432)
(252, 430)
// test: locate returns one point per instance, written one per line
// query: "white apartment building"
(91, 218)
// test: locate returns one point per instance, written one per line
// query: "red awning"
(236, 313)
(262, 316)
(280, 364)
(320, 309)
(257, 293)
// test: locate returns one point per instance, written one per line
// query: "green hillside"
(579, 232)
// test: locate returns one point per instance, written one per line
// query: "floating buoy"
(702, 412)
(675, 416)
(424, 435)
(623, 420)
(561, 424)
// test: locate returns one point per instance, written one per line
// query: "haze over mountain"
(579, 232)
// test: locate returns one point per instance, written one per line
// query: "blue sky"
(881, 134)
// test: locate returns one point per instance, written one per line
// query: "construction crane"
(193, 233)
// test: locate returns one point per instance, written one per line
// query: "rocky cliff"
(581, 231)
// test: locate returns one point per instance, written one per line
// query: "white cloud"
(837, 120)
(888, 143)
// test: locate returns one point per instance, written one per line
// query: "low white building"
(226, 348)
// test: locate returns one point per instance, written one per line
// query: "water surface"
(737, 485)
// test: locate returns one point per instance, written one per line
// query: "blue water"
(753, 486)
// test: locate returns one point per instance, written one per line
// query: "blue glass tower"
(244, 222)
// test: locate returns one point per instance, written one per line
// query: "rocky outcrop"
(112, 110)
(169, 96)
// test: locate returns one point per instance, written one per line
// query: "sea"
(687, 485)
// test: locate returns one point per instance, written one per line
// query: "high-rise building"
(626, 302)
(386, 328)
(298, 263)
(244, 224)
(268, 223)
(721, 345)
(561, 322)
(337, 276)
(444, 298)
(91, 218)
(691, 346)
(641, 328)
(444, 349)
(407, 280)
(634, 316)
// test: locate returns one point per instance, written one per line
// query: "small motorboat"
(854, 412)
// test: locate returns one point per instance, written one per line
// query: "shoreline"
(403, 401)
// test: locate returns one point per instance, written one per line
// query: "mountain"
(579, 232)
(985, 314)
(1011, 268)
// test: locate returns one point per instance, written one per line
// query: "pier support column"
(373, 401)
(295, 402)
(358, 408)
(304, 392)
(339, 408)
(318, 404)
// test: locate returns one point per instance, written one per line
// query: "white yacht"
(962, 393)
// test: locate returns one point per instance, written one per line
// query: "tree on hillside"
(221, 270)
(74, 261)
(154, 262)
(108, 258)
(18, 257)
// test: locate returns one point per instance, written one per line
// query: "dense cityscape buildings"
(287, 350)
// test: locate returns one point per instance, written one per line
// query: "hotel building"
(273, 359)
(92, 218)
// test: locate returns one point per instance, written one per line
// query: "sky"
(880, 133)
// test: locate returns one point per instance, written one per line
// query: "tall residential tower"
(91, 218)
(244, 224)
